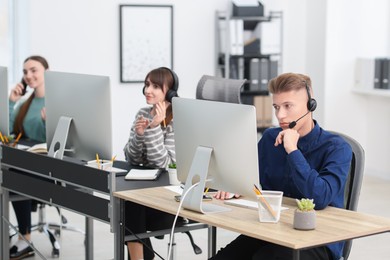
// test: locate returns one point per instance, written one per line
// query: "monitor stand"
(198, 174)
(57, 146)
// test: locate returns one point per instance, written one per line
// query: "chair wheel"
(55, 253)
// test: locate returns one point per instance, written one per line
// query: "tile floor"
(72, 247)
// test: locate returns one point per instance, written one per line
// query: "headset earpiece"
(311, 103)
(172, 92)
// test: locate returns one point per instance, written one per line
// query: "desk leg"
(296, 254)
(212, 241)
(4, 228)
(118, 229)
(88, 238)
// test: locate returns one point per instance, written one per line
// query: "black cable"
(143, 243)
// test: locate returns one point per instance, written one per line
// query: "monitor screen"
(4, 113)
(216, 145)
(86, 100)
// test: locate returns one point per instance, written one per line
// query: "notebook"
(38, 148)
(143, 174)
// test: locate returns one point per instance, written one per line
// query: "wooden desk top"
(333, 224)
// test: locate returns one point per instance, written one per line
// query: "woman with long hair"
(27, 118)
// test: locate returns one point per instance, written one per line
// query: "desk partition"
(65, 183)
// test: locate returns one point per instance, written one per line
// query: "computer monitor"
(78, 115)
(216, 145)
(4, 113)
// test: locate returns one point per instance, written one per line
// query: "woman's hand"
(140, 125)
(16, 92)
(159, 114)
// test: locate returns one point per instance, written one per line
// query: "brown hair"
(160, 76)
(287, 82)
(18, 124)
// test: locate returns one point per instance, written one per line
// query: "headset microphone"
(294, 123)
(311, 106)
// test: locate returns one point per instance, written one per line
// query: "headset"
(311, 106)
(172, 92)
(311, 103)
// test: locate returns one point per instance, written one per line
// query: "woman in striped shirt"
(151, 144)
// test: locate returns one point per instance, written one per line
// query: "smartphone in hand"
(24, 86)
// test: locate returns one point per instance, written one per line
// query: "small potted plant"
(173, 174)
(172, 166)
(305, 215)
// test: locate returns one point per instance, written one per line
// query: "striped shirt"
(156, 148)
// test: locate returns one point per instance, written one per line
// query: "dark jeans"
(247, 248)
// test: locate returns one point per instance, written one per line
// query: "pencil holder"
(105, 165)
(270, 204)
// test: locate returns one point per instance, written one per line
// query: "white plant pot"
(173, 177)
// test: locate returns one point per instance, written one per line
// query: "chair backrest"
(219, 89)
(354, 182)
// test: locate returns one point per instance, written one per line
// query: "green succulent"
(172, 165)
(305, 204)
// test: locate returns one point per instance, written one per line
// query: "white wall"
(357, 29)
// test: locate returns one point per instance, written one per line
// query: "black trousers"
(139, 219)
(23, 215)
(247, 248)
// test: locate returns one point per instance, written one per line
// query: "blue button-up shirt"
(317, 170)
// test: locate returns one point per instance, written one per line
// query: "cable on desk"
(176, 216)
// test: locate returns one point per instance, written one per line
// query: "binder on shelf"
(236, 28)
(261, 71)
(381, 76)
(385, 74)
(378, 73)
(365, 73)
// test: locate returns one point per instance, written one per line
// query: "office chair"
(219, 89)
(46, 227)
(354, 182)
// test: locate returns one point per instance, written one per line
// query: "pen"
(164, 123)
(264, 201)
(113, 159)
(207, 189)
(17, 139)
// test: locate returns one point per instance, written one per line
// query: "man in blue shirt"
(300, 159)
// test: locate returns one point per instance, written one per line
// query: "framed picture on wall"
(146, 40)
